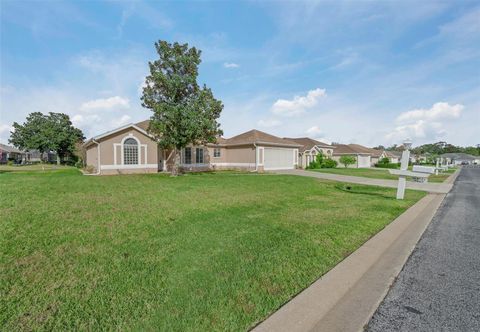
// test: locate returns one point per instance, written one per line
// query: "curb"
(346, 297)
(453, 176)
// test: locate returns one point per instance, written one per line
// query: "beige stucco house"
(131, 149)
(375, 154)
(365, 156)
(394, 156)
(363, 159)
(310, 148)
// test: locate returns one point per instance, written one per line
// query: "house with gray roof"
(10, 153)
(310, 148)
(460, 158)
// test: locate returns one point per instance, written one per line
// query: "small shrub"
(89, 169)
(329, 163)
(384, 160)
(79, 163)
(389, 165)
(322, 162)
(347, 160)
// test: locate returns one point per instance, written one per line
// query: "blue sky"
(363, 72)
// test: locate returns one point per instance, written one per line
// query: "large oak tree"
(183, 112)
(47, 132)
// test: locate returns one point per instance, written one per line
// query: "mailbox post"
(402, 179)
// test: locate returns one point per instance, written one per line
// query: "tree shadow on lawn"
(364, 190)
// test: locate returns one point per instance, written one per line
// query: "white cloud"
(5, 129)
(231, 65)
(314, 131)
(425, 124)
(438, 111)
(269, 123)
(5, 132)
(105, 103)
(80, 120)
(298, 104)
(121, 121)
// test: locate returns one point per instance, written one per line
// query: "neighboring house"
(363, 159)
(375, 155)
(131, 149)
(35, 156)
(460, 158)
(366, 157)
(394, 156)
(418, 158)
(10, 153)
(310, 148)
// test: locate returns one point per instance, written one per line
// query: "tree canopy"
(439, 148)
(347, 160)
(45, 133)
(183, 112)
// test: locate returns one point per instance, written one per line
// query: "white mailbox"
(423, 169)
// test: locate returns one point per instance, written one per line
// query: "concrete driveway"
(437, 188)
(439, 287)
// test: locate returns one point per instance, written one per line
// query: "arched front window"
(130, 152)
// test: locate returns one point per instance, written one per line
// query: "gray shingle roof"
(8, 148)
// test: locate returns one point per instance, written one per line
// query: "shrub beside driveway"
(197, 252)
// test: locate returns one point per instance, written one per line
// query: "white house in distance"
(363, 159)
(310, 148)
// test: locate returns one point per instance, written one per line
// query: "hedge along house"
(310, 148)
(131, 149)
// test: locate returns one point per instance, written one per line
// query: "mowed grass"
(33, 167)
(378, 173)
(197, 252)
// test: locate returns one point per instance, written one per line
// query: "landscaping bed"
(208, 252)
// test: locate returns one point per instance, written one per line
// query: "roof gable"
(8, 148)
(308, 143)
(255, 136)
(114, 131)
(341, 149)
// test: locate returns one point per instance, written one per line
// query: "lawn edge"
(356, 286)
(451, 179)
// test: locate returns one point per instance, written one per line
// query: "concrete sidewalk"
(437, 188)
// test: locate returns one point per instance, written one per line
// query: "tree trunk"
(176, 164)
(58, 159)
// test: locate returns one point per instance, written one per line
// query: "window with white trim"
(130, 152)
(199, 156)
(187, 156)
(217, 153)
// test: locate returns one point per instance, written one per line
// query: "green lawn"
(378, 173)
(34, 167)
(198, 252)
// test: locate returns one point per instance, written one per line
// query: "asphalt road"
(439, 286)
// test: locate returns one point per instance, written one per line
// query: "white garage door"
(277, 158)
(363, 161)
